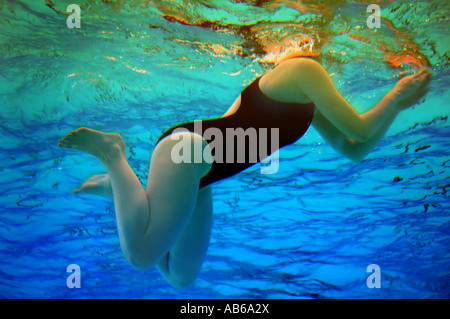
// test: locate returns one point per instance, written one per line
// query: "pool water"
(139, 67)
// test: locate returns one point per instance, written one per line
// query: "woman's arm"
(346, 146)
(316, 84)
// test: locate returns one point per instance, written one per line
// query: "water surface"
(139, 67)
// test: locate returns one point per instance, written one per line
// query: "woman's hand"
(410, 89)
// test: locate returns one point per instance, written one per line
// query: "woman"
(169, 224)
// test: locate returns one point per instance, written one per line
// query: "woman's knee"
(178, 275)
(182, 281)
(138, 259)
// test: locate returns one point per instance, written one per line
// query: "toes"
(68, 140)
(72, 137)
(64, 142)
(82, 189)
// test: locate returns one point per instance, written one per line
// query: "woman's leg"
(149, 222)
(181, 265)
(96, 184)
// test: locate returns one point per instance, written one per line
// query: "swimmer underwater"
(168, 224)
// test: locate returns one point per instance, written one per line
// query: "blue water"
(309, 231)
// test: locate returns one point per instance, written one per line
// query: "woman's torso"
(271, 106)
(280, 84)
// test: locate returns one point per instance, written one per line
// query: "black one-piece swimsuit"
(257, 111)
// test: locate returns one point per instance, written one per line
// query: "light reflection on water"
(137, 68)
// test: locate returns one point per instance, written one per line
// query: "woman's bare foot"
(97, 184)
(105, 146)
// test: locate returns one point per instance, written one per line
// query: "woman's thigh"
(172, 192)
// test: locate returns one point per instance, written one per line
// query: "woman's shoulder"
(300, 63)
(285, 82)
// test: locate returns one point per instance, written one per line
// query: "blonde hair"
(293, 46)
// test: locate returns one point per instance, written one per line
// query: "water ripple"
(308, 231)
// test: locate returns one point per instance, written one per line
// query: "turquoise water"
(139, 67)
